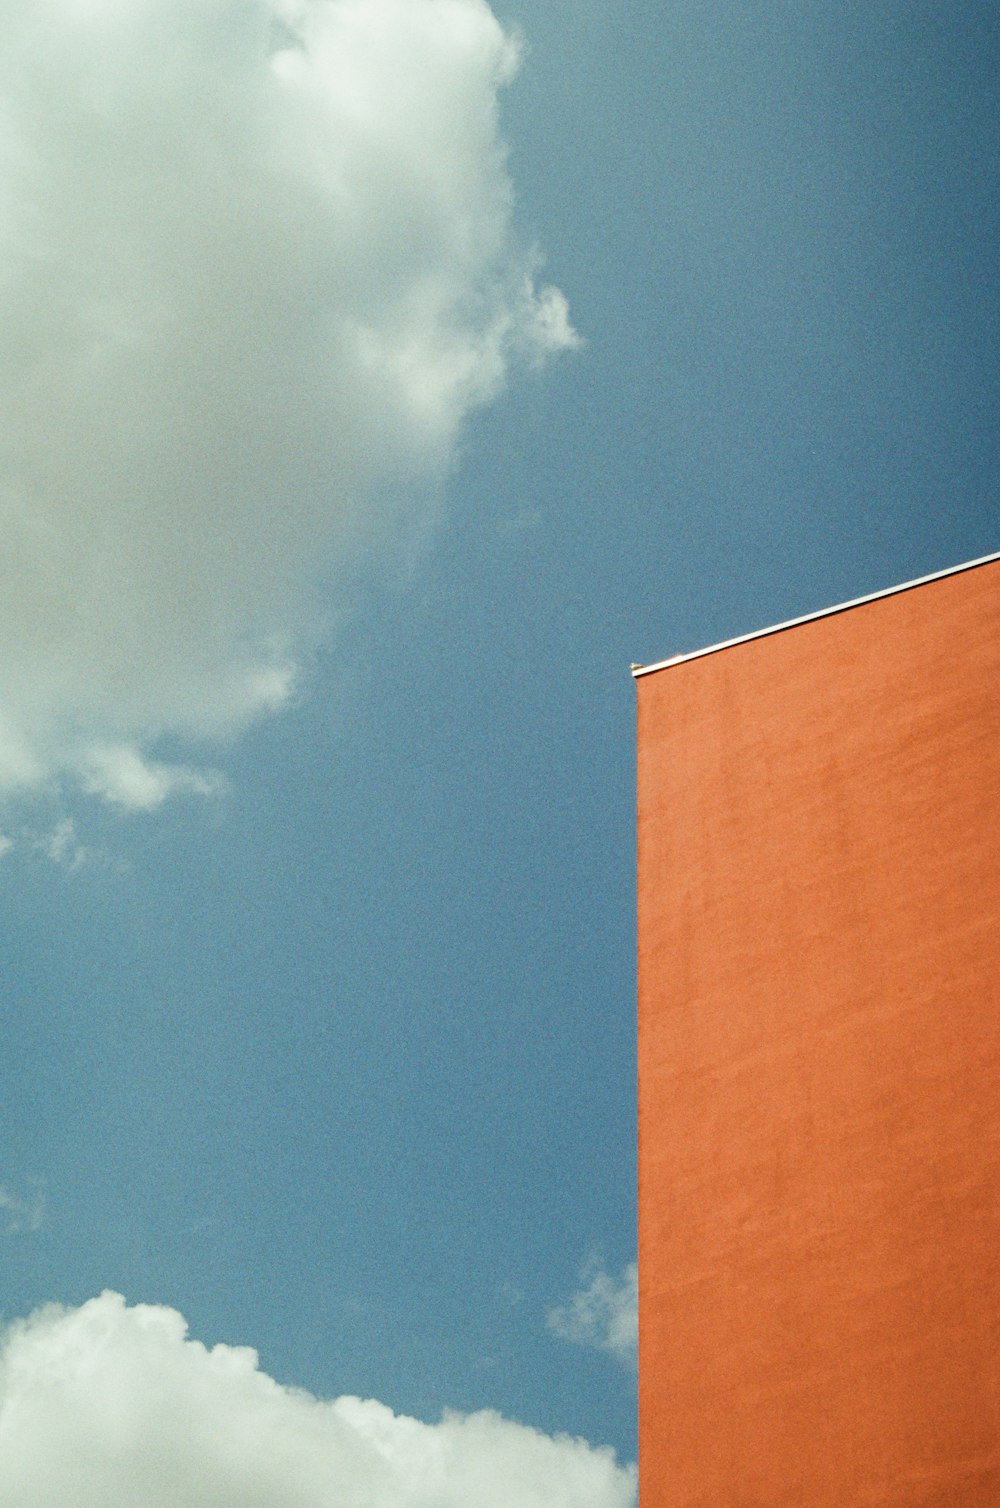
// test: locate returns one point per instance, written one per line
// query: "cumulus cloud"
(109, 1406)
(603, 1313)
(257, 266)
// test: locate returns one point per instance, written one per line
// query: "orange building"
(819, 1059)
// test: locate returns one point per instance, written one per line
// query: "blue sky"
(331, 1048)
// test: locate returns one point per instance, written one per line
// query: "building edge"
(823, 612)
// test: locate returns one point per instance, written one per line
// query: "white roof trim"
(825, 612)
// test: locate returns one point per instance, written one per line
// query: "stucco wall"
(819, 1062)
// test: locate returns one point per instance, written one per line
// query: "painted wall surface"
(819, 1076)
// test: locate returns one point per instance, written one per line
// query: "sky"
(378, 379)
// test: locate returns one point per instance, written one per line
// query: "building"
(819, 1059)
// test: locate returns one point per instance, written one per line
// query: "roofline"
(825, 612)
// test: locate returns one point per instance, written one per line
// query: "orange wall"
(819, 1062)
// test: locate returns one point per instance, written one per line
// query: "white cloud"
(21, 1215)
(123, 777)
(603, 1313)
(108, 1406)
(61, 845)
(64, 848)
(257, 267)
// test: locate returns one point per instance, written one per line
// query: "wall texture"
(819, 1061)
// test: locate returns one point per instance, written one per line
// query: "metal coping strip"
(823, 612)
